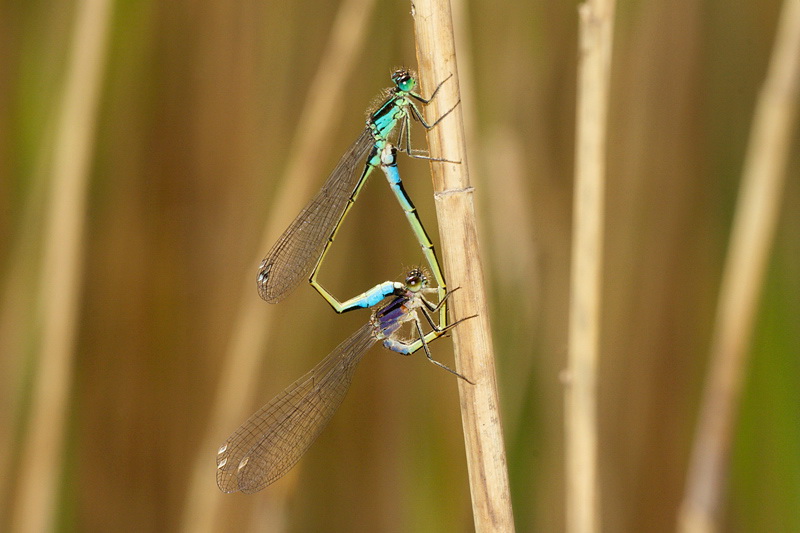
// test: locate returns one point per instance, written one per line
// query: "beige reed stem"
(480, 409)
(754, 224)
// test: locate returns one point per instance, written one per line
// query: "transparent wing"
(293, 257)
(271, 441)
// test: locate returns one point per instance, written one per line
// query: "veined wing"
(293, 257)
(271, 441)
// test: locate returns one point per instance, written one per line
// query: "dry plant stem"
(239, 376)
(59, 287)
(480, 409)
(594, 68)
(751, 238)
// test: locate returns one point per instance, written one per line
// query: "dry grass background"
(197, 110)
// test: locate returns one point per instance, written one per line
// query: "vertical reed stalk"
(594, 70)
(751, 238)
(480, 408)
(239, 376)
(60, 284)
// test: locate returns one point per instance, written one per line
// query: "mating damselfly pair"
(273, 439)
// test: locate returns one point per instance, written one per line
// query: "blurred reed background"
(197, 111)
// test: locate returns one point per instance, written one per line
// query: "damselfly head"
(404, 79)
(416, 280)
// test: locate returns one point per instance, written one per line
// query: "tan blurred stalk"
(498, 160)
(239, 377)
(16, 307)
(61, 267)
(594, 72)
(753, 231)
(480, 408)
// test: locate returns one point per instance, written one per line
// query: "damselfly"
(273, 439)
(301, 249)
(376, 294)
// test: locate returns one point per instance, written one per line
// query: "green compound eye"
(407, 84)
(416, 280)
(404, 80)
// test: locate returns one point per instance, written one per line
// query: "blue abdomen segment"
(397, 346)
(377, 293)
(370, 298)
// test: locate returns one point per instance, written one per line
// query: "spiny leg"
(407, 348)
(406, 131)
(418, 115)
(433, 94)
(424, 341)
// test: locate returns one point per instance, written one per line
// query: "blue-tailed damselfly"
(273, 439)
(301, 249)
